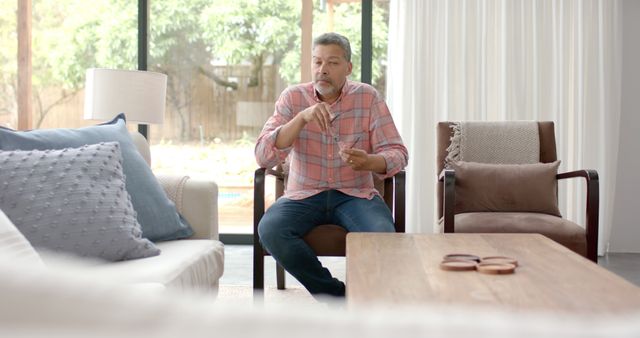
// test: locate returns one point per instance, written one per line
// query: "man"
(339, 133)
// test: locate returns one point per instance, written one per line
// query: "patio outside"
(230, 165)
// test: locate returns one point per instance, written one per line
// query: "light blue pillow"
(73, 200)
(157, 215)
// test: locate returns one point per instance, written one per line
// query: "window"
(69, 36)
(345, 17)
(8, 64)
(227, 62)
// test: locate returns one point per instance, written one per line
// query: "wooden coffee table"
(404, 268)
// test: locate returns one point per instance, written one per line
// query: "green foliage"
(176, 30)
(238, 31)
(8, 53)
(70, 36)
(8, 38)
(347, 21)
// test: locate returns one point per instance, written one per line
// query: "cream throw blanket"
(504, 142)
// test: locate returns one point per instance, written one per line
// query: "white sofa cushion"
(62, 303)
(14, 247)
(183, 264)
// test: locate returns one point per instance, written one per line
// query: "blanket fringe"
(453, 151)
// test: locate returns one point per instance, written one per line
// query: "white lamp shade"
(140, 95)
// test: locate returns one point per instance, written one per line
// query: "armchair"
(581, 239)
(325, 240)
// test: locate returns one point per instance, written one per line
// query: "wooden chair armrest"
(258, 212)
(441, 176)
(593, 202)
(258, 204)
(399, 210)
(276, 173)
(259, 188)
(448, 176)
(588, 174)
(259, 194)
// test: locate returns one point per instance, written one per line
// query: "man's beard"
(324, 90)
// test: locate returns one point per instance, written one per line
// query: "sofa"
(189, 257)
(195, 263)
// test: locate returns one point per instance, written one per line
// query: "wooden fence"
(197, 108)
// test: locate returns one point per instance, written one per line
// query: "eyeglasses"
(336, 137)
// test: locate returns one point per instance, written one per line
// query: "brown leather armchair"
(583, 240)
(325, 240)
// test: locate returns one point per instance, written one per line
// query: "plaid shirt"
(360, 119)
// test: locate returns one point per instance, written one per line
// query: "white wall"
(625, 230)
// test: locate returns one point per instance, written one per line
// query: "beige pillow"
(482, 187)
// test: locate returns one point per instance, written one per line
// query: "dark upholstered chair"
(582, 240)
(325, 240)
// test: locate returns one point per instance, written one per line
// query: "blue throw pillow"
(156, 214)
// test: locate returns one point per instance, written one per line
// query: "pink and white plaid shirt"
(360, 119)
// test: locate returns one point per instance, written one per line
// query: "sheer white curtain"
(508, 60)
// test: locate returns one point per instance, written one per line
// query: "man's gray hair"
(334, 39)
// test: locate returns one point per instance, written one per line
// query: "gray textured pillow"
(73, 200)
(156, 213)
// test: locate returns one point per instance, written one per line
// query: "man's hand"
(358, 159)
(320, 113)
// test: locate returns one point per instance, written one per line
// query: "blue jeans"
(286, 222)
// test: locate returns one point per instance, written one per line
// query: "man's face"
(329, 69)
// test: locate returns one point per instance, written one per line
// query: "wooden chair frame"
(446, 182)
(394, 197)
